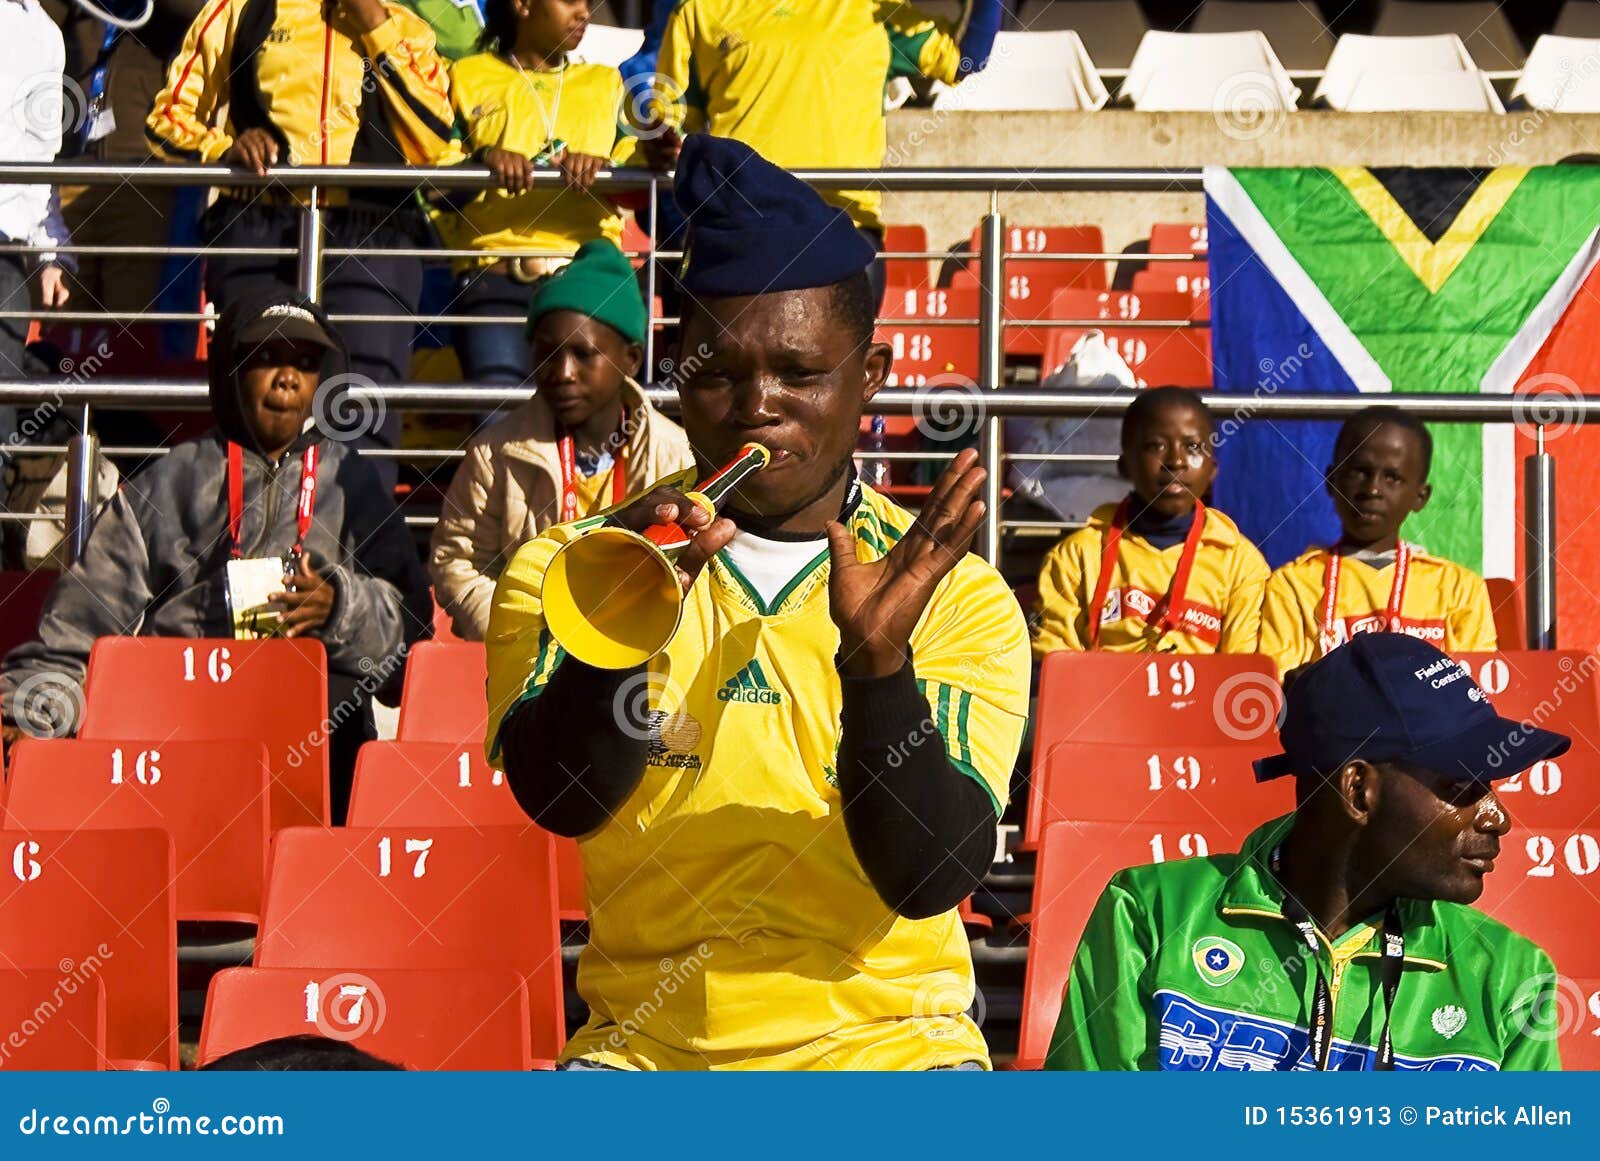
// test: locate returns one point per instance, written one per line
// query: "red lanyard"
(303, 509)
(569, 475)
(1169, 613)
(1330, 593)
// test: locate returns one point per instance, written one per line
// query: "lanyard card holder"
(250, 585)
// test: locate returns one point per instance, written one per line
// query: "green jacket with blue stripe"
(1191, 966)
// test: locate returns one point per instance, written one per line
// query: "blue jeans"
(492, 352)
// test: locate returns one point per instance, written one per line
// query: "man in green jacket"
(1340, 936)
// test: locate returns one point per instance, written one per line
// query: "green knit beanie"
(598, 282)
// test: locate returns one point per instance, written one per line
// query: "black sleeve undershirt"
(922, 829)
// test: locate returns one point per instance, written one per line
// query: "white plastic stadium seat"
(1111, 29)
(1578, 18)
(1424, 92)
(1207, 71)
(1481, 25)
(1030, 70)
(1562, 75)
(1389, 57)
(1295, 31)
(604, 44)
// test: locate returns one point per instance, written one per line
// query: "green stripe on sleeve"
(961, 727)
(905, 52)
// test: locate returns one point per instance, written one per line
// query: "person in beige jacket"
(587, 439)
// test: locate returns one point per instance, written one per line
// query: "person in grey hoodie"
(155, 563)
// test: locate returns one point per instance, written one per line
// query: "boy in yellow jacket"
(1371, 581)
(1159, 572)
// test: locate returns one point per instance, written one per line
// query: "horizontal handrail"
(973, 179)
(933, 402)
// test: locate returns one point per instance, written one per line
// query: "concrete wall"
(1123, 139)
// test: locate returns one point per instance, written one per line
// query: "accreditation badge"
(249, 585)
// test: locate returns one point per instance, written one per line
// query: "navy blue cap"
(1389, 697)
(754, 229)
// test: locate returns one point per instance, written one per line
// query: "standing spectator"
(32, 55)
(587, 440)
(156, 564)
(361, 84)
(527, 105)
(802, 83)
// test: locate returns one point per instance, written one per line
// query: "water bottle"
(875, 469)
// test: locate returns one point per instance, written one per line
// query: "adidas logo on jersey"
(750, 685)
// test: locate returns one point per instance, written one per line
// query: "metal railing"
(992, 399)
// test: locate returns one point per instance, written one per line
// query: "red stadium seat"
(1178, 356)
(1179, 238)
(1216, 699)
(424, 1020)
(99, 903)
(1031, 279)
(1188, 278)
(419, 897)
(1510, 628)
(274, 692)
(444, 698)
(1545, 885)
(1578, 1006)
(1554, 689)
(22, 596)
(1162, 780)
(925, 353)
(911, 273)
(58, 1020)
(437, 784)
(1076, 861)
(211, 797)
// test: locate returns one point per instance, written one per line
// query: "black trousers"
(350, 712)
(372, 283)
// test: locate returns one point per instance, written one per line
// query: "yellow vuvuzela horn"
(611, 595)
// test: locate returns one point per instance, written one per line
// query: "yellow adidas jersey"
(731, 924)
(802, 83)
(503, 108)
(1445, 604)
(1224, 591)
